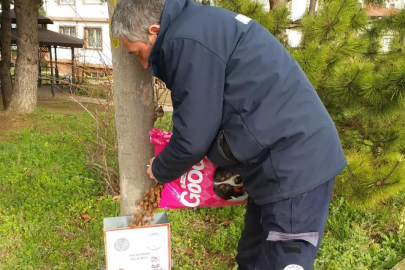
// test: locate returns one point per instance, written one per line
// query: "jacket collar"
(172, 9)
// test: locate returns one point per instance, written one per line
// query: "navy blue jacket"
(240, 99)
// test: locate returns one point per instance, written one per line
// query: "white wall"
(294, 37)
(266, 3)
(298, 9)
(79, 9)
(86, 55)
(83, 15)
(398, 3)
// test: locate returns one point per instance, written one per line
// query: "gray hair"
(132, 18)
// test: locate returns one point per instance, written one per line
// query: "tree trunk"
(274, 3)
(24, 98)
(5, 64)
(312, 7)
(134, 110)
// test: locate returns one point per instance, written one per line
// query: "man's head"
(137, 24)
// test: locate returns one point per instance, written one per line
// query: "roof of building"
(378, 11)
(48, 38)
(41, 19)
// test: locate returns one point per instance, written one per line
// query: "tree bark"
(5, 64)
(312, 7)
(134, 110)
(274, 3)
(24, 97)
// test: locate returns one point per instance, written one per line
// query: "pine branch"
(232, 5)
(393, 183)
(403, 40)
(277, 25)
(253, 11)
(375, 2)
(363, 143)
(383, 182)
(380, 182)
(386, 141)
(352, 174)
(347, 84)
(334, 21)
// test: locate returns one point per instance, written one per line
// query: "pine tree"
(276, 21)
(362, 87)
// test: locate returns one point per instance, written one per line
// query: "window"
(92, 2)
(68, 30)
(92, 38)
(387, 42)
(66, 2)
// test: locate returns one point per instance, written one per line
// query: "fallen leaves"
(84, 217)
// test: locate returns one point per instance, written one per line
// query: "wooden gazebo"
(48, 39)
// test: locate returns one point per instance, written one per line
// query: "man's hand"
(149, 170)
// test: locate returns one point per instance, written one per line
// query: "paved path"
(400, 266)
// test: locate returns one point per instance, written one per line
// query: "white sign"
(140, 248)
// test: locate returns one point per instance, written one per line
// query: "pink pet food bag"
(203, 185)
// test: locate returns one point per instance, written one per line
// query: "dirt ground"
(8, 122)
(44, 93)
(62, 101)
(15, 122)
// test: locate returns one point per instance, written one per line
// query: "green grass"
(356, 239)
(47, 191)
(46, 187)
(91, 90)
(205, 238)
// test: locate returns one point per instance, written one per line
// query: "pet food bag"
(204, 185)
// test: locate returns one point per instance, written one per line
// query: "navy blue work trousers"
(284, 235)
